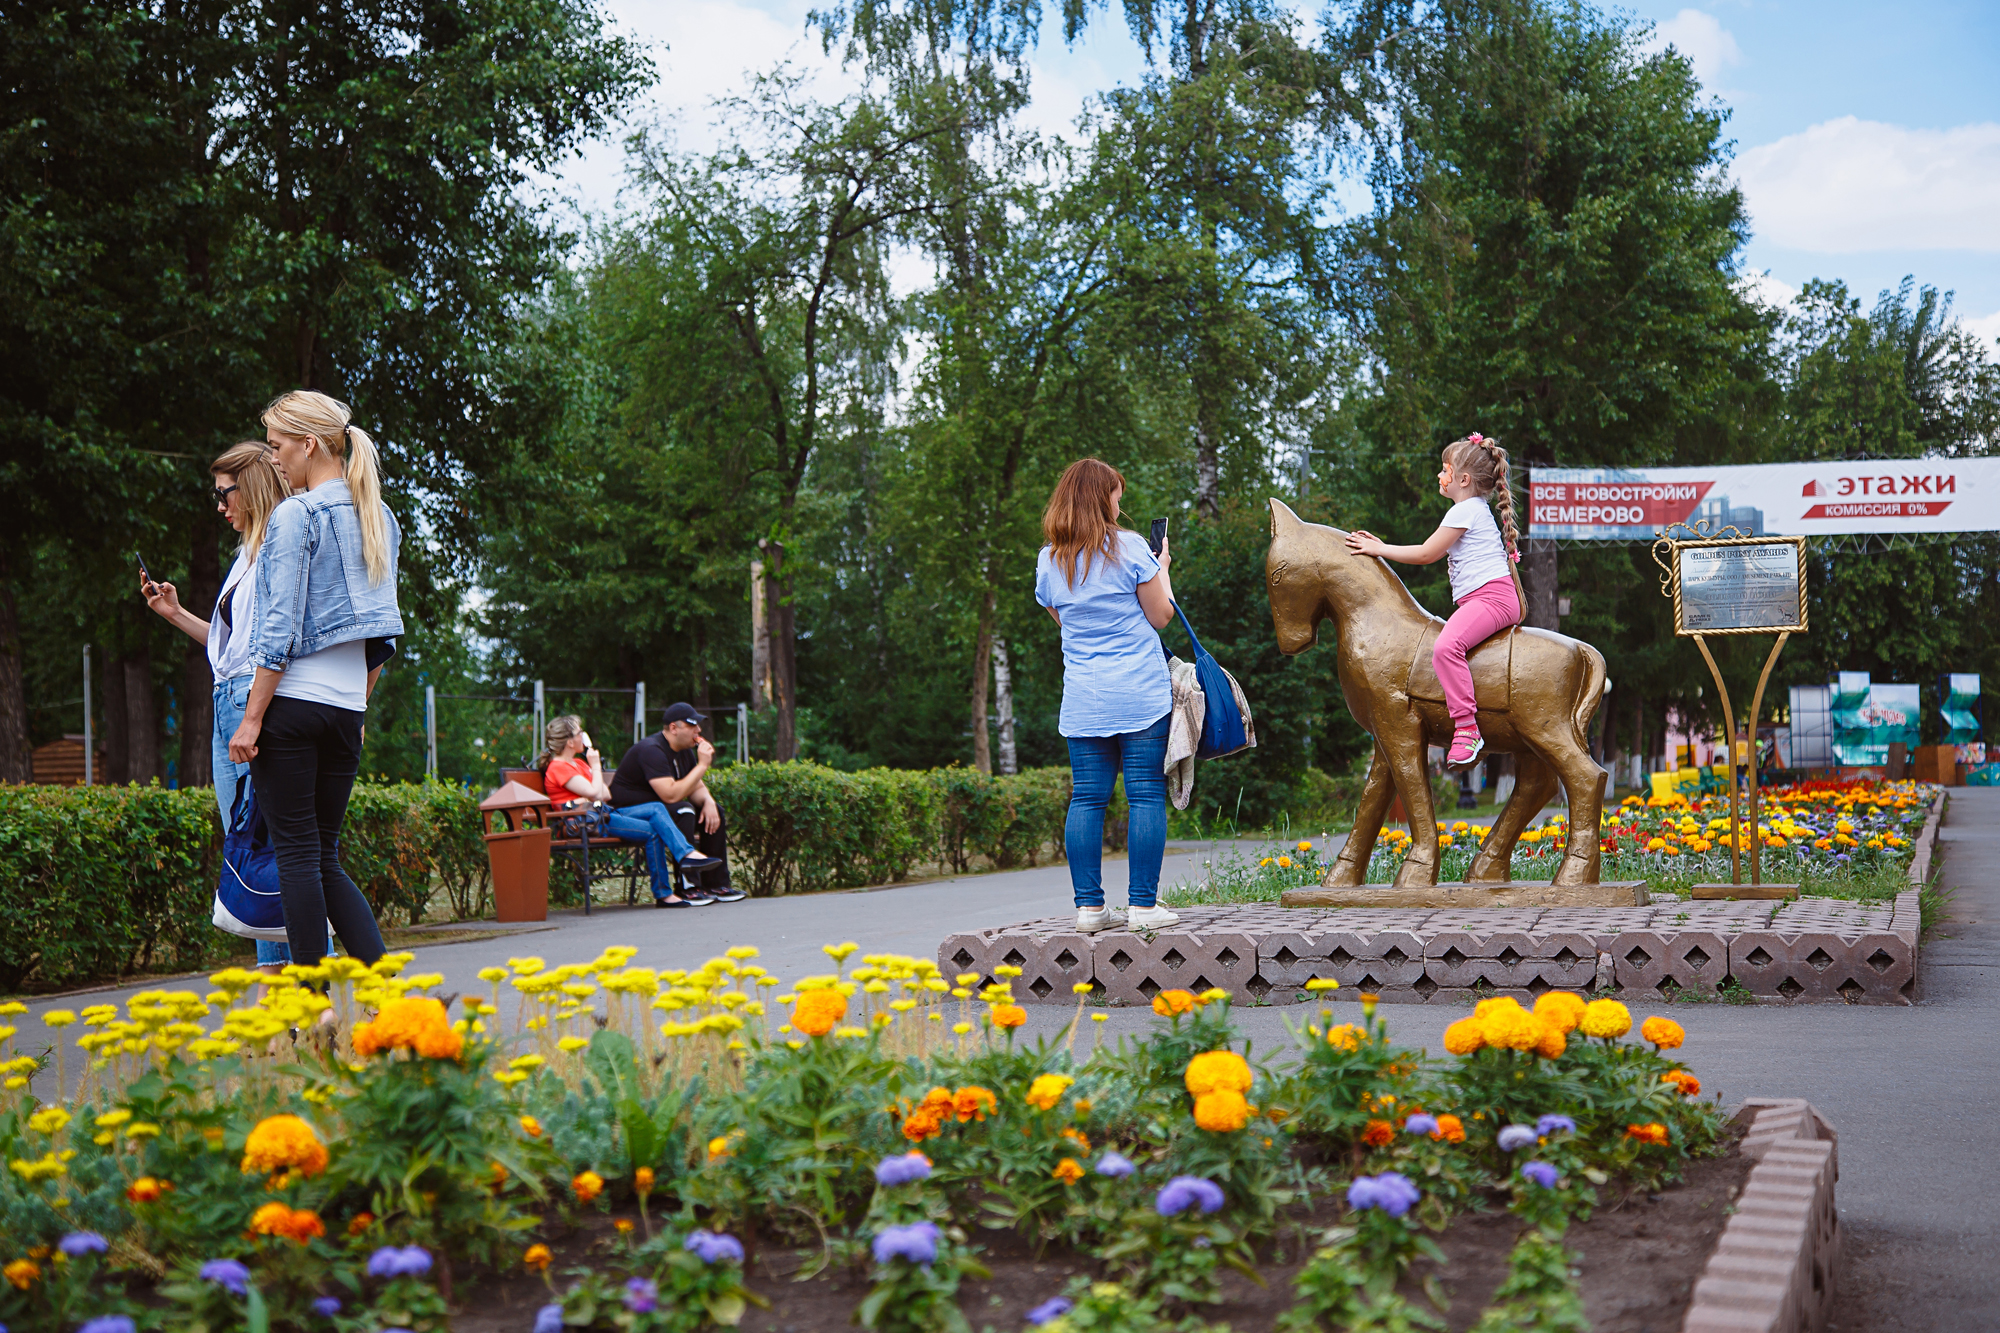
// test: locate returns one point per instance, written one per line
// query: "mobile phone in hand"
(142, 569)
(1158, 539)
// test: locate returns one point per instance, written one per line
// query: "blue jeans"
(652, 825)
(1094, 763)
(232, 696)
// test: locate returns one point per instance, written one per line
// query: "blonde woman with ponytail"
(326, 623)
(1482, 555)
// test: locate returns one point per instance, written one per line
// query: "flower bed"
(1846, 840)
(659, 1147)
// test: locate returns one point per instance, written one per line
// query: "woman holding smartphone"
(247, 489)
(1111, 597)
(326, 623)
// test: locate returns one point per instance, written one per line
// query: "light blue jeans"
(1094, 765)
(232, 696)
(652, 825)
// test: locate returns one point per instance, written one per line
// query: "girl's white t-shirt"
(1479, 556)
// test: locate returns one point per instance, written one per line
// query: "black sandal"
(672, 902)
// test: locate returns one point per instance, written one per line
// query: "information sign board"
(1751, 585)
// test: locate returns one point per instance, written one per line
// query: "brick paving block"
(1133, 969)
(1358, 959)
(1719, 1319)
(1511, 960)
(1648, 960)
(1873, 968)
(965, 952)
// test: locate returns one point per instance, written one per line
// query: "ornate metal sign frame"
(1667, 551)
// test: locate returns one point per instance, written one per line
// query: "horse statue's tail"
(1591, 695)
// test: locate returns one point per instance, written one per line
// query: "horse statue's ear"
(1281, 517)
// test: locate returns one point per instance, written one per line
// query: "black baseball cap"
(681, 713)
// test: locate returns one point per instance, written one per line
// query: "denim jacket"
(312, 580)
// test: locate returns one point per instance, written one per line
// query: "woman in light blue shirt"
(1111, 598)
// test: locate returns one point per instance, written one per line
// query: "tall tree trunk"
(1538, 579)
(760, 637)
(197, 681)
(1003, 699)
(784, 656)
(16, 760)
(117, 723)
(142, 726)
(1207, 461)
(982, 667)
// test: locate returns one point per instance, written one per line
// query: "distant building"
(60, 763)
(1746, 520)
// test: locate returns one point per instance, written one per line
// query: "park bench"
(616, 856)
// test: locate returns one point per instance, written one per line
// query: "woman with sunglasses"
(247, 489)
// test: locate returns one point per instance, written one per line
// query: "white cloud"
(1986, 329)
(1852, 185)
(1767, 290)
(1709, 46)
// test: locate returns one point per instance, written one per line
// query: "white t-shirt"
(228, 650)
(336, 676)
(1479, 556)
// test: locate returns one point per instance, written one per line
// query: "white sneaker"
(1150, 918)
(1090, 920)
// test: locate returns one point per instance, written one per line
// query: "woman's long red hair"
(1081, 520)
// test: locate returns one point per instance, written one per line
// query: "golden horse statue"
(1536, 692)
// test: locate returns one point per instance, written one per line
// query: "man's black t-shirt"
(649, 759)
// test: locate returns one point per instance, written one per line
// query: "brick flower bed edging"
(1775, 1266)
(1926, 844)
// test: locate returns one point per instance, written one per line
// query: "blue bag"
(246, 898)
(1225, 728)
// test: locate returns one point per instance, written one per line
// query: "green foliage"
(1539, 1294)
(687, 1294)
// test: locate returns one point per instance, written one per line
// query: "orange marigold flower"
(1561, 1007)
(360, 1223)
(926, 1122)
(1689, 1085)
(642, 1180)
(531, 1127)
(1068, 1171)
(1173, 1003)
(587, 1185)
(294, 1224)
(974, 1103)
(1078, 1137)
(1465, 1036)
(146, 1189)
(1378, 1134)
(416, 1023)
(624, 1226)
(538, 1257)
(1553, 1043)
(1009, 1015)
(1347, 1036)
(23, 1273)
(1655, 1133)
(1450, 1129)
(1223, 1111)
(1213, 1070)
(818, 1010)
(1663, 1032)
(284, 1141)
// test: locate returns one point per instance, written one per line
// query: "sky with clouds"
(1867, 135)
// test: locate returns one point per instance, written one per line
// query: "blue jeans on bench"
(651, 825)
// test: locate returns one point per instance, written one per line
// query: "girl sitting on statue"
(1478, 552)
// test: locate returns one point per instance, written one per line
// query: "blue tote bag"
(246, 896)
(1224, 729)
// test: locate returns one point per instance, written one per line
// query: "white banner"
(1774, 499)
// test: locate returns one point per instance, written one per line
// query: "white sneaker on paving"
(1090, 920)
(1150, 918)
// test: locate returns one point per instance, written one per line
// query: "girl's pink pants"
(1486, 610)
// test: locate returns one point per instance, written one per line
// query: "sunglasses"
(222, 494)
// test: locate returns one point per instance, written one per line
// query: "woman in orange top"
(573, 774)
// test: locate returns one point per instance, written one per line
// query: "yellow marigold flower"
(416, 1023)
(1663, 1032)
(23, 1273)
(839, 952)
(1553, 1043)
(1068, 1171)
(1047, 1090)
(1305, 845)
(724, 1145)
(1214, 1070)
(1465, 1036)
(1009, 1015)
(586, 1185)
(1606, 1018)
(571, 1045)
(1322, 984)
(538, 1257)
(1173, 1003)
(1223, 1111)
(493, 975)
(1507, 1024)
(49, 1120)
(59, 1018)
(1081, 988)
(284, 1141)
(1347, 1036)
(1212, 995)
(818, 1011)
(1284, 863)
(1560, 1008)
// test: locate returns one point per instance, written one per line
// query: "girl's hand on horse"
(1363, 542)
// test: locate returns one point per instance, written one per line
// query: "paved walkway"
(1907, 1088)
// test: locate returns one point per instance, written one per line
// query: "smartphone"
(1158, 539)
(142, 569)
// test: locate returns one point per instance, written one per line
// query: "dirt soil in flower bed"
(1641, 1256)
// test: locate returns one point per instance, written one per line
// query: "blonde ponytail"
(328, 420)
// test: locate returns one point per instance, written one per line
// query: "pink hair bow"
(1515, 556)
(1476, 438)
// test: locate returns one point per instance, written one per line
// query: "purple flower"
(709, 1247)
(107, 1323)
(641, 1295)
(549, 1319)
(326, 1307)
(1115, 1165)
(1391, 1191)
(231, 1276)
(1516, 1137)
(902, 1169)
(1842, 856)
(1185, 1192)
(916, 1242)
(1554, 1124)
(79, 1243)
(390, 1262)
(1541, 1173)
(1053, 1308)
(1421, 1124)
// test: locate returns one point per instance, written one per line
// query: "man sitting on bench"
(665, 771)
(573, 773)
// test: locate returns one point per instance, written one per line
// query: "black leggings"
(308, 755)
